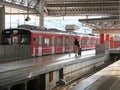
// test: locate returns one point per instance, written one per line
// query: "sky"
(49, 22)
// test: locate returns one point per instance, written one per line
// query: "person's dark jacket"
(76, 42)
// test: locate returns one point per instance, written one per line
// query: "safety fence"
(15, 52)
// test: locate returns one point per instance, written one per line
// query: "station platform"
(19, 64)
(24, 69)
(106, 79)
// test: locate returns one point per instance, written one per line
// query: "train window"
(40, 41)
(47, 42)
(25, 37)
(85, 41)
(25, 40)
(82, 42)
(72, 41)
(89, 41)
(24, 32)
(59, 41)
(67, 42)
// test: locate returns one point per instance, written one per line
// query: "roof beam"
(100, 19)
(17, 6)
(83, 4)
(54, 1)
(80, 12)
(100, 31)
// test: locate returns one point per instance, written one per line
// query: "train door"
(40, 46)
(63, 44)
(34, 47)
(72, 44)
(15, 40)
(53, 45)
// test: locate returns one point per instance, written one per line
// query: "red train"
(46, 41)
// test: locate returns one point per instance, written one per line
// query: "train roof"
(43, 30)
(33, 28)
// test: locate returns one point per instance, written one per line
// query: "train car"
(44, 42)
(88, 41)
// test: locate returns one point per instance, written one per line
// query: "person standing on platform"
(79, 50)
(76, 48)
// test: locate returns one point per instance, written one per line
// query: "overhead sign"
(102, 31)
(71, 27)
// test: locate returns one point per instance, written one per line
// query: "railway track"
(76, 81)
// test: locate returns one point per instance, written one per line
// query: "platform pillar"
(2, 18)
(101, 38)
(107, 37)
(111, 42)
(108, 40)
(41, 13)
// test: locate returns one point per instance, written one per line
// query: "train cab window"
(6, 40)
(6, 32)
(25, 40)
(24, 32)
(15, 40)
(47, 42)
(25, 37)
(15, 37)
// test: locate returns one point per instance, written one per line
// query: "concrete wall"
(14, 52)
(52, 84)
(74, 71)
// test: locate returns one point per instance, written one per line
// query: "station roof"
(108, 8)
(69, 7)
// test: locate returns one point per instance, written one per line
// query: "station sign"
(102, 31)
